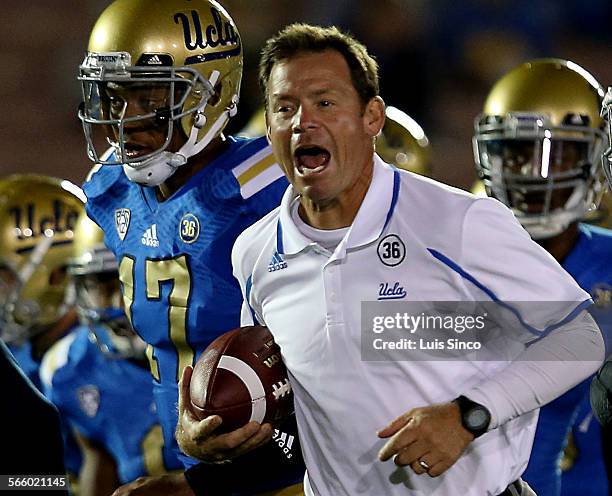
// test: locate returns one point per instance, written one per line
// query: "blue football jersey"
(27, 363)
(175, 256)
(590, 264)
(587, 474)
(108, 401)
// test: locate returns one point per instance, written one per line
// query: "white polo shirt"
(454, 247)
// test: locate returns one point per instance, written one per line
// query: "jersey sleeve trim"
(257, 172)
(55, 359)
(469, 277)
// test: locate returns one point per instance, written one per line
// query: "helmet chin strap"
(157, 169)
(550, 226)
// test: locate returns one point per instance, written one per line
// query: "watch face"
(477, 418)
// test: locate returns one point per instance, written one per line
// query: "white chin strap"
(156, 170)
(550, 226)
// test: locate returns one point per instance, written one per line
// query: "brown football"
(241, 377)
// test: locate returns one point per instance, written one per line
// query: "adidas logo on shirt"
(277, 263)
(149, 238)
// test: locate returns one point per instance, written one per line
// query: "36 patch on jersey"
(122, 221)
(189, 228)
(89, 399)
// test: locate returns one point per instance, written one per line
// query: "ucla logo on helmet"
(189, 228)
(220, 33)
(31, 223)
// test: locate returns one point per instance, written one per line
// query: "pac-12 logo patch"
(391, 250)
(122, 221)
(189, 228)
(89, 399)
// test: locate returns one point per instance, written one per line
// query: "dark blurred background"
(438, 61)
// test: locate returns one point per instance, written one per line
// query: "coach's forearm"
(545, 370)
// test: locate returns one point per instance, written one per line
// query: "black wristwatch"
(475, 417)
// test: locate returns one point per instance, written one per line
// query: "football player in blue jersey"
(601, 386)
(37, 218)
(98, 377)
(28, 418)
(160, 81)
(538, 146)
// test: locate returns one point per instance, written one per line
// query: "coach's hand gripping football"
(429, 439)
(197, 438)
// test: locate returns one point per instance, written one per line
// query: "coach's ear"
(374, 116)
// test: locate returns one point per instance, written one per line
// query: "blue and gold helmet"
(538, 144)
(173, 65)
(38, 215)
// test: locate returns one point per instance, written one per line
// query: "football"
(240, 377)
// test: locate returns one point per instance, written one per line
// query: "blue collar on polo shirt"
(370, 222)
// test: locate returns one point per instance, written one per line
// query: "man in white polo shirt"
(351, 229)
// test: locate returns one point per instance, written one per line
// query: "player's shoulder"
(253, 165)
(597, 234)
(103, 179)
(599, 240)
(59, 356)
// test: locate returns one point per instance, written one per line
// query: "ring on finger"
(424, 465)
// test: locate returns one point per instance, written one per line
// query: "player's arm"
(98, 476)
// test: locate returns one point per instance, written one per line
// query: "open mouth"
(133, 150)
(311, 159)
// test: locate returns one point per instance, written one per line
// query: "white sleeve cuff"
(543, 371)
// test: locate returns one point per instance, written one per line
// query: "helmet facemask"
(606, 114)
(120, 101)
(10, 331)
(29, 307)
(548, 175)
